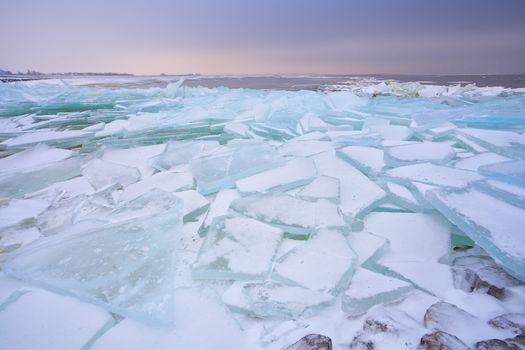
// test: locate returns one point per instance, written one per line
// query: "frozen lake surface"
(225, 212)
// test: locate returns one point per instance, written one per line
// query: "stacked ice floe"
(218, 218)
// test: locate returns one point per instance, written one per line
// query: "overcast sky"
(264, 36)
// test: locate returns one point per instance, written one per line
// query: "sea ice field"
(368, 214)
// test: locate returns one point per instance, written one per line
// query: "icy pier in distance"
(364, 215)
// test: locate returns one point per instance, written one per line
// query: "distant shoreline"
(277, 82)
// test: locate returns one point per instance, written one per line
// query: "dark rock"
(482, 274)
(496, 344)
(388, 329)
(513, 322)
(441, 341)
(312, 342)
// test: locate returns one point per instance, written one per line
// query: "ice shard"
(371, 288)
(297, 217)
(237, 248)
(433, 152)
(125, 267)
(493, 224)
(215, 172)
(325, 263)
(294, 173)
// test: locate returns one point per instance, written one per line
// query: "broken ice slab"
(60, 214)
(433, 174)
(14, 237)
(473, 163)
(42, 320)
(125, 266)
(246, 158)
(391, 132)
(135, 157)
(102, 174)
(469, 145)
(495, 225)
(345, 138)
(295, 173)
(274, 300)
(325, 187)
(428, 235)
(358, 194)
(369, 288)
(433, 152)
(19, 211)
(182, 152)
(33, 158)
(512, 172)
(438, 282)
(166, 181)
(402, 196)
(305, 148)
(62, 139)
(19, 183)
(63, 189)
(310, 122)
(218, 207)
(509, 193)
(507, 143)
(367, 159)
(324, 263)
(297, 217)
(237, 248)
(368, 247)
(194, 204)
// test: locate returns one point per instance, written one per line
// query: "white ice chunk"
(63, 189)
(215, 172)
(237, 248)
(17, 211)
(322, 187)
(433, 152)
(402, 196)
(428, 235)
(166, 181)
(325, 263)
(473, 163)
(194, 204)
(61, 138)
(274, 300)
(507, 143)
(391, 132)
(371, 288)
(367, 246)
(358, 194)
(102, 174)
(434, 175)
(367, 159)
(296, 172)
(135, 157)
(432, 277)
(295, 216)
(126, 267)
(34, 157)
(494, 225)
(305, 148)
(219, 207)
